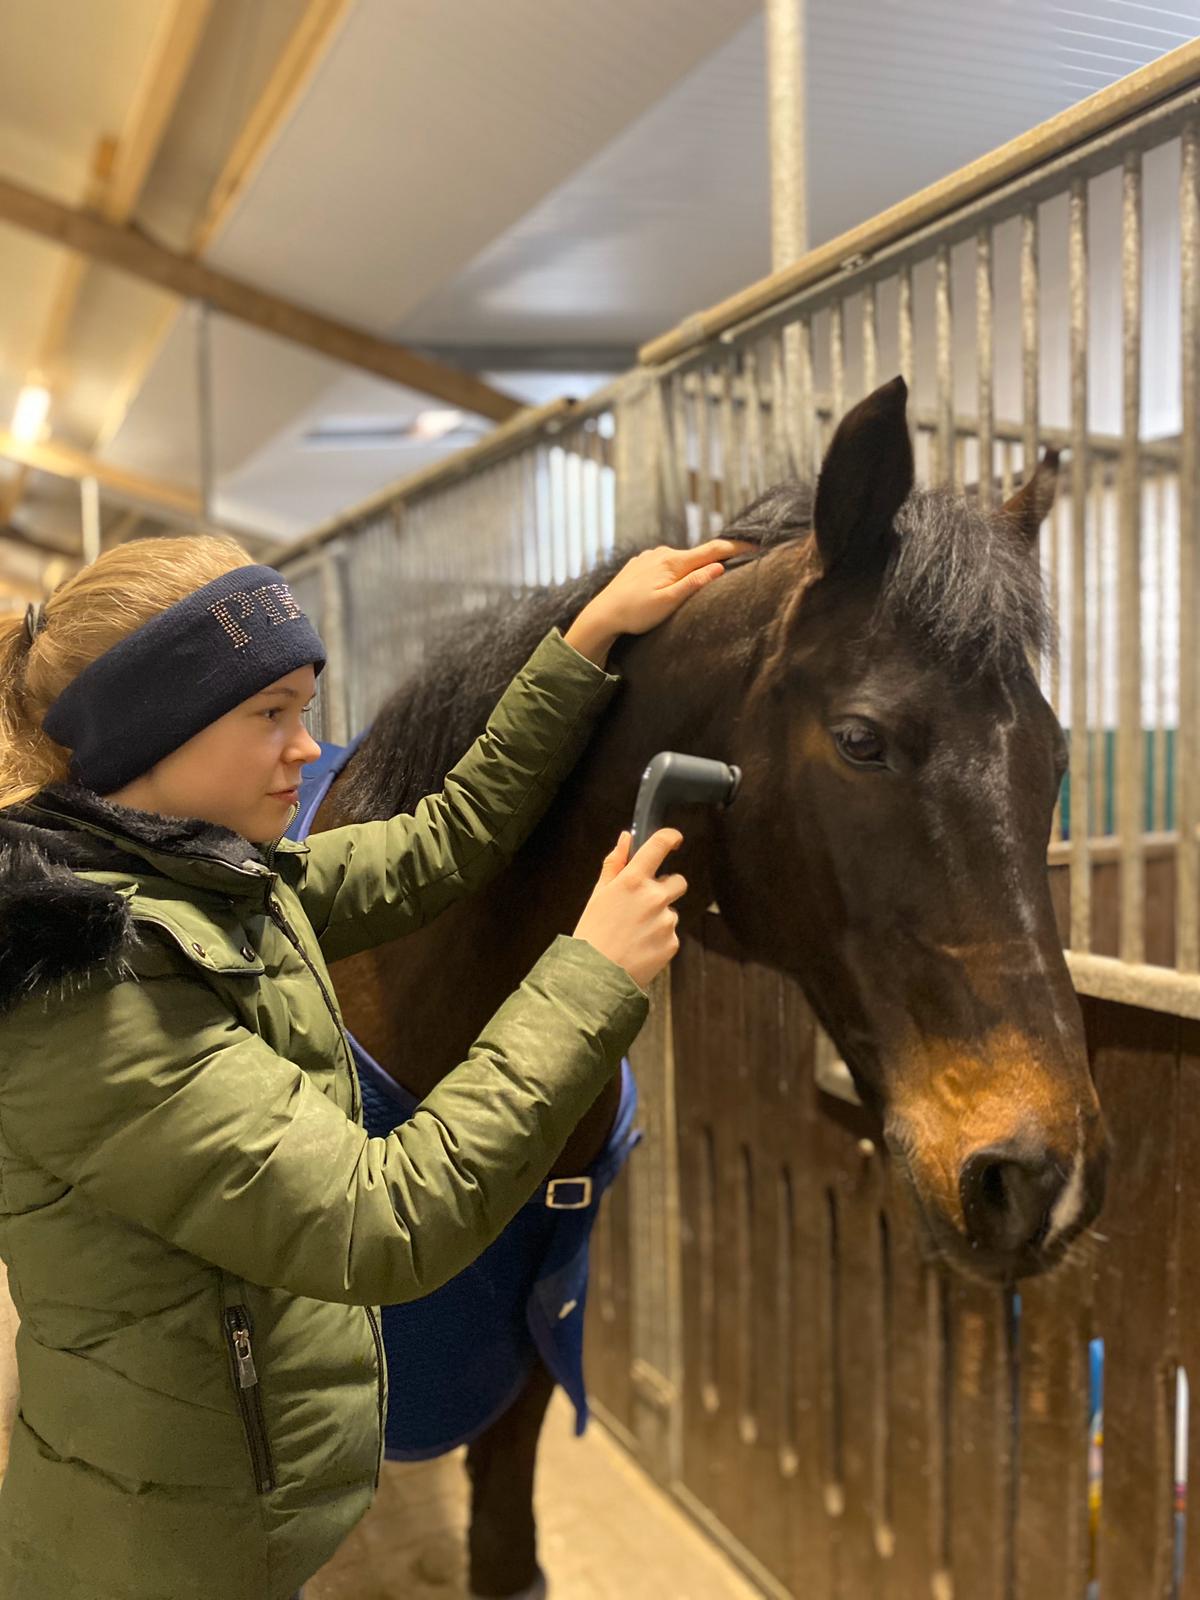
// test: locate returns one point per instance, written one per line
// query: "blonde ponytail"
(84, 617)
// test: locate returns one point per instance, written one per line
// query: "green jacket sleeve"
(150, 1098)
(370, 882)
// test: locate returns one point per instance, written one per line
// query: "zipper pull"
(244, 1359)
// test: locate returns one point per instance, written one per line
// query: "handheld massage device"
(672, 779)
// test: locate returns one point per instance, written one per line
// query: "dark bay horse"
(869, 671)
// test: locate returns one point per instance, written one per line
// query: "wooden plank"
(980, 1461)
(63, 461)
(1120, 101)
(915, 1446)
(180, 28)
(804, 1460)
(132, 252)
(861, 1358)
(305, 48)
(1187, 1285)
(1135, 1063)
(1052, 1526)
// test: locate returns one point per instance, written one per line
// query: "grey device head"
(672, 779)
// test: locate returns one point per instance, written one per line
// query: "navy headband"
(178, 672)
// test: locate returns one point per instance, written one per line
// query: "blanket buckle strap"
(569, 1194)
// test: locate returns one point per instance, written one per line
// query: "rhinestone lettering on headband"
(275, 599)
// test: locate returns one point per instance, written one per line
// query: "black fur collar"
(56, 926)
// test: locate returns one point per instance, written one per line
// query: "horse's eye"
(860, 744)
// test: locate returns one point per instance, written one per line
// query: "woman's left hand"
(646, 591)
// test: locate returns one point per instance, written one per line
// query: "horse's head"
(889, 843)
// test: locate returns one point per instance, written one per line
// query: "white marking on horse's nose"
(1067, 1207)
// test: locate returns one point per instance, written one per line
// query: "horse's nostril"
(1007, 1198)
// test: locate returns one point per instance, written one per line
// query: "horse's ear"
(866, 477)
(1030, 506)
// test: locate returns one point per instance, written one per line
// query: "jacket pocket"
(249, 1395)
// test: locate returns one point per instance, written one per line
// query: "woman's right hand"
(631, 915)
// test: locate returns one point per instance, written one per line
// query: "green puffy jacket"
(196, 1227)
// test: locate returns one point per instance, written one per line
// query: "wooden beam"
(173, 49)
(119, 172)
(303, 52)
(306, 47)
(171, 501)
(130, 251)
(15, 535)
(64, 461)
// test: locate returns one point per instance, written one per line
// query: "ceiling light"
(29, 418)
(436, 424)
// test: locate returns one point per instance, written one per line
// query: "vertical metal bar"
(983, 340)
(1096, 597)
(1077, 273)
(803, 403)
(837, 358)
(89, 514)
(754, 422)
(1131, 744)
(1187, 746)
(1006, 469)
(944, 468)
(1158, 822)
(782, 461)
(672, 494)
(204, 411)
(731, 493)
(904, 315)
(680, 429)
(1029, 340)
(704, 487)
(870, 337)
(333, 631)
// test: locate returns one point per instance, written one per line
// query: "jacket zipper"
(245, 1377)
(379, 1360)
(281, 922)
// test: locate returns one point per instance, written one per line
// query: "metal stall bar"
(984, 312)
(1131, 744)
(802, 401)
(754, 421)
(870, 336)
(837, 361)
(1030, 354)
(1187, 779)
(1077, 274)
(943, 471)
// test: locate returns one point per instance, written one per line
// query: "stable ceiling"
(526, 191)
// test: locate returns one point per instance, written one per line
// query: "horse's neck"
(419, 1004)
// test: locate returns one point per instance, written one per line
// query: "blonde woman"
(195, 1225)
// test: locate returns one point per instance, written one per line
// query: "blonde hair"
(84, 617)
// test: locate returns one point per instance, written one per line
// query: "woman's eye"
(861, 745)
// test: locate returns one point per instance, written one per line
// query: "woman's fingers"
(674, 887)
(656, 850)
(702, 555)
(616, 859)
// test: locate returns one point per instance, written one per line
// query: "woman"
(196, 1227)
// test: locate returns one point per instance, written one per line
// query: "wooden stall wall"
(867, 1427)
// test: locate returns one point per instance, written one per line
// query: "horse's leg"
(503, 1536)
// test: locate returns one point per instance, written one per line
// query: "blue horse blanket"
(459, 1358)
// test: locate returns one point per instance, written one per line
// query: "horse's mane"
(957, 576)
